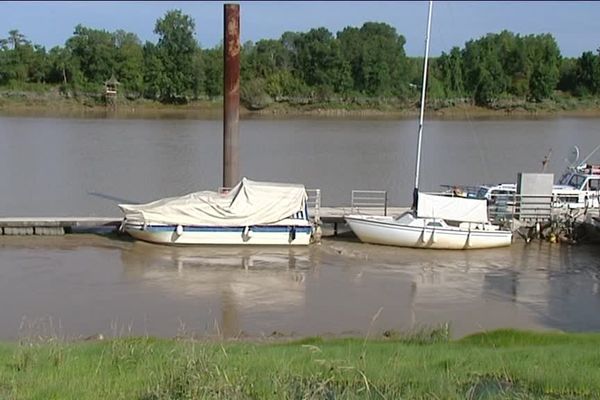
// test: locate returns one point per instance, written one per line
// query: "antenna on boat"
(546, 160)
(573, 156)
(590, 155)
(422, 111)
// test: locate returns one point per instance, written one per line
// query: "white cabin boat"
(251, 213)
(579, 187)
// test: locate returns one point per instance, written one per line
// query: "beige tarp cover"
(248, 203)
(451, 208)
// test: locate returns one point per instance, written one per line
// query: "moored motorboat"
(251, 213)
(577, 187)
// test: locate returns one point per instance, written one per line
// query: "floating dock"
(61, 225)
(45, 225)
(332, 216)
(22, 226)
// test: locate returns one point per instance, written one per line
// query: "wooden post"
(231, 96)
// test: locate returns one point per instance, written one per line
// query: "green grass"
(503, 364)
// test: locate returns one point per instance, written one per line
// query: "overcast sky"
(574, 24)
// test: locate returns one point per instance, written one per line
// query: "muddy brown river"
(82, 285)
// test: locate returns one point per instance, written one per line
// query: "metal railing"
(368, 201)
(313, 203)
(529, 209)
(504, 208)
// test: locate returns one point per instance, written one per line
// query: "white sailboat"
(435, 221)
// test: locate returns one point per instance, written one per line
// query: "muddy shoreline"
(70, 108)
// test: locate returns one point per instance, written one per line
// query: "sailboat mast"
(422, 112)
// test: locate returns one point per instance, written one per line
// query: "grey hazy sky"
(574, 24)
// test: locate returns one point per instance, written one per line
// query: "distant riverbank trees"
(362, 66)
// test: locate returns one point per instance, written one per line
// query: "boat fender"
(469, 237)
(433, 236)
(292, 234)
(144, 226)
(179, 230)
(247, 233)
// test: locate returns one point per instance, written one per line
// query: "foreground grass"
(501, 364)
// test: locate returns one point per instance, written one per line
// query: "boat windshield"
(482, 192)
(576, 181)
(564, 180)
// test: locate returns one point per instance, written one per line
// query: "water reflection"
(86, 282)
(242, 279)
(527, 286)
(332, 289)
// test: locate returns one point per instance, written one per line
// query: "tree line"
(356, 65)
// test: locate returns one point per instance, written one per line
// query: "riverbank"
(53, 104)
(503, 364)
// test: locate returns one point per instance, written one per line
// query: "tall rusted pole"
(231, 96)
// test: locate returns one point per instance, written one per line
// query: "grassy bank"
(41, 100)
(501, 364)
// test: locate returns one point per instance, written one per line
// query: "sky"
(574, 24)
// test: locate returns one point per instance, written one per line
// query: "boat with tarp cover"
(251, 213)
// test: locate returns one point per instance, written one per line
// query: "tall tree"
(543, 56)
(375, 54)
(568, 75)
(93, 52)
(60, 68)
(24, 62)
(448, 69)
(588, 73)
(320, 62)
(153, 73)
(213, 71)
(485, 76)
(177, 49)
(129, 60)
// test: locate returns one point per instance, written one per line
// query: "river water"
(80, 285)
(74, 167)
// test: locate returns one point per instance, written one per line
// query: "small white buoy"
(179, 230)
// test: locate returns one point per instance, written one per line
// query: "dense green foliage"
(494, 365)
(354, 66)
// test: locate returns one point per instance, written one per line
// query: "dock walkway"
(61, 225)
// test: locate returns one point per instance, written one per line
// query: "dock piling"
(231, 96)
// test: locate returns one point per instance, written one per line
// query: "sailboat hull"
(383, 230)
